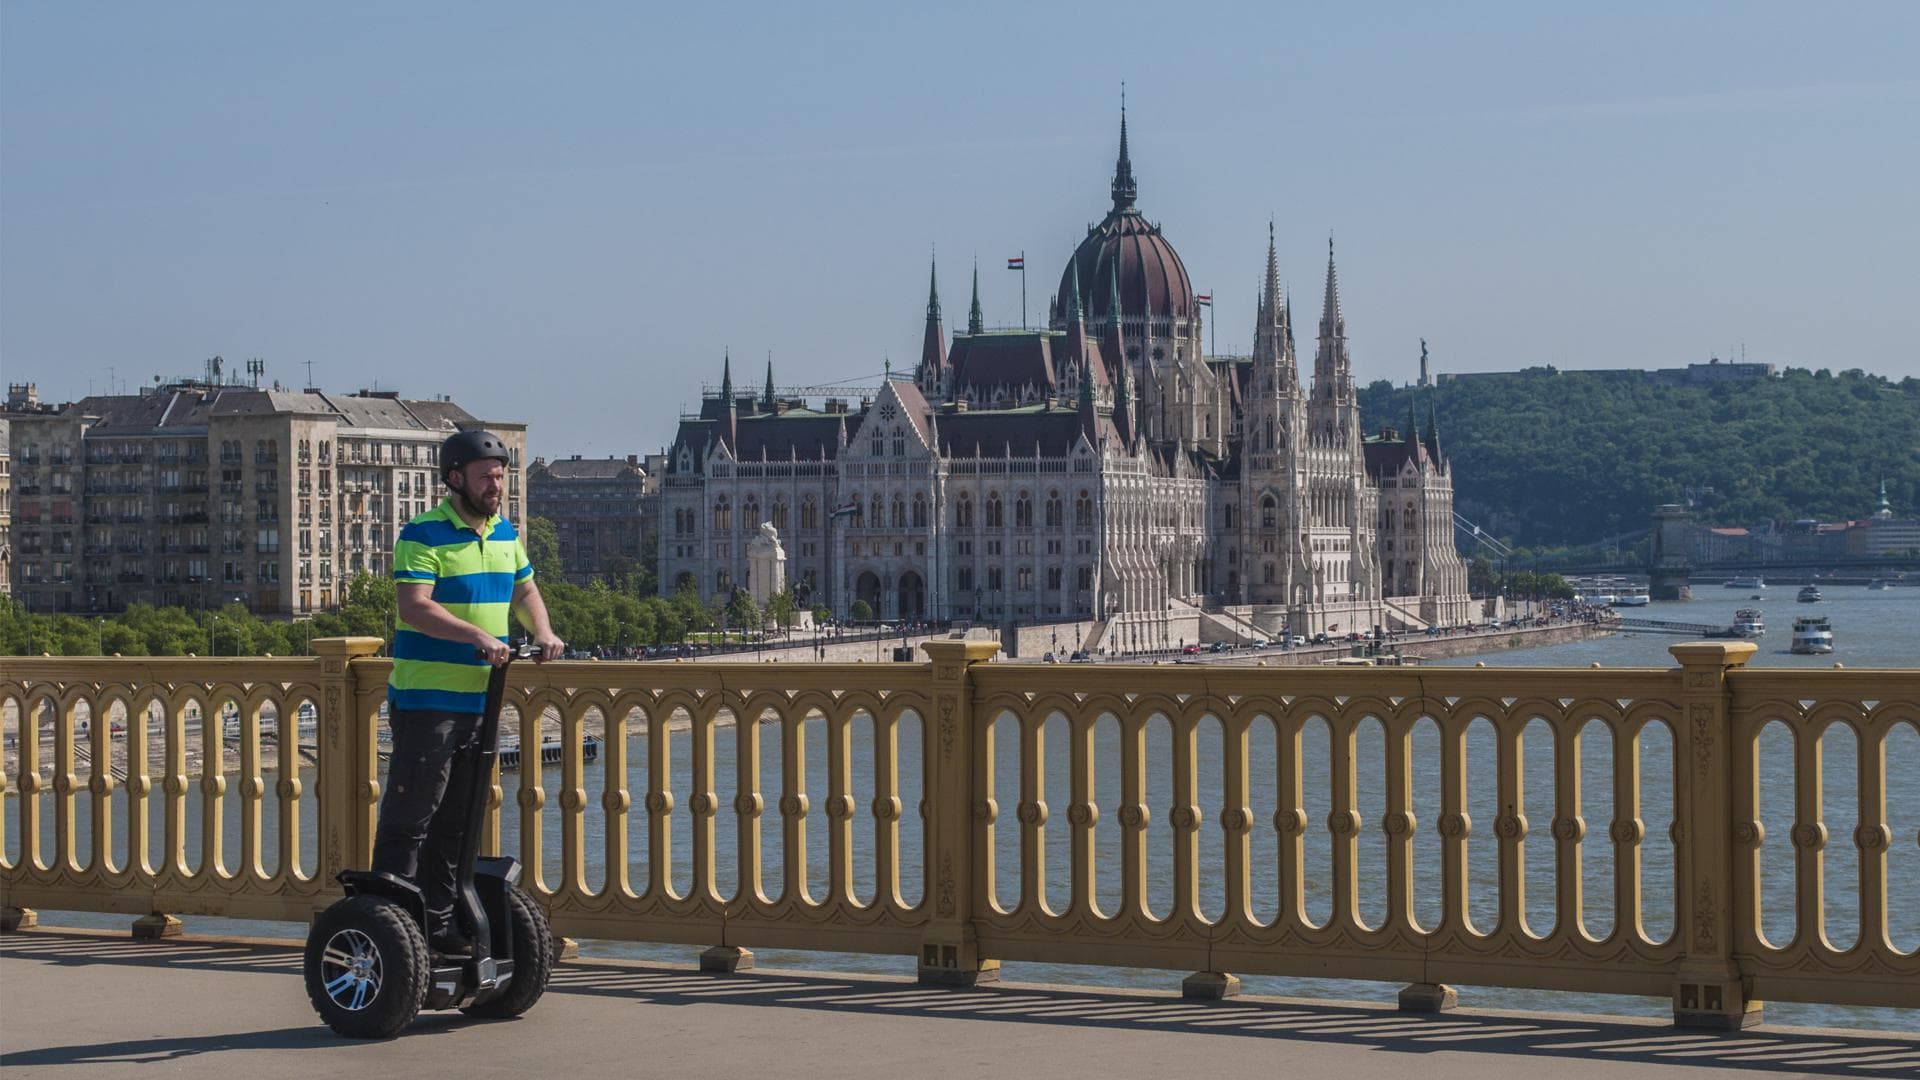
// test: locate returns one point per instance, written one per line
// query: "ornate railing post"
(1708, 988)
(960, 756)
(348, 759)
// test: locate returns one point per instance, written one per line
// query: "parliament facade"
(1102, 468)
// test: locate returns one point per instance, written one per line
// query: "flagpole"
(1213, 331)
(1023, 288)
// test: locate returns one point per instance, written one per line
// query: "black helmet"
(464, 447)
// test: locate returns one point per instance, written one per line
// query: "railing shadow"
(1358, 1027)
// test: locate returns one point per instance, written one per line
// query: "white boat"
(1747, 583)
(1748, 623)
(1879, 585)
(1603, 600)
(1634, 598)
(1809, 595)
(1812, 634)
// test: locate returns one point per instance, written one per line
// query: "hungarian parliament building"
(1104, 468)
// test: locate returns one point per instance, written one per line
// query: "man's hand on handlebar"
(551, 648)
(492, 648)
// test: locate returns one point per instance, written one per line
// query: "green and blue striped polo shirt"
(473, 574)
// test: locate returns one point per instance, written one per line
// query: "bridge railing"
(1421, 826)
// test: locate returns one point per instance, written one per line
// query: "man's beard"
(474, 507)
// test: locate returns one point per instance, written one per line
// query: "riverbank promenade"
(94, 1004)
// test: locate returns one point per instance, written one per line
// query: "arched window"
(899, 512)
(722, 515)
(1083, 511)
(1266, 574)
(1269, 513)
(779, 515)
(876, 513)
(809, 515)
(996, 516)
(1084, 577)
(750, 514)
(1227, 515)
(1056, 513)
(919, 511)
(963, 511)
(1023, 511)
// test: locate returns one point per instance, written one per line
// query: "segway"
(368, 969)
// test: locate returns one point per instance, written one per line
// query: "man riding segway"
(421, 928)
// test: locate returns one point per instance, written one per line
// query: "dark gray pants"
(430, 778)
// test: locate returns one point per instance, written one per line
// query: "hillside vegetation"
(1552, 458)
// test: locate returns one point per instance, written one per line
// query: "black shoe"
(449, 941)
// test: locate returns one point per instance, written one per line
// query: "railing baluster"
(252, 787)
(175, 787)
(700, 797)
(532, 797)
(1134, 816)
(750, 803)
(1809, 839)
(1236, 819)
(1627, 832)
(25, 724)
(65, 852)
(1456, 825)
(573, 802)
(1032, 812)
(887, 810)
(100, 787)
(1510, 826)
(839, 808)
(1873, 839)
(1290, 817)
(1569, 830)
(139, 790)
(287, 790)
(793, 809)
(617, 800)
(1399, 824)
(213, 790)
(1343, 819)
(1082, 813)
(659, 801)
(1184, 816)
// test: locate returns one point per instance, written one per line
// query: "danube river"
(1872, 630)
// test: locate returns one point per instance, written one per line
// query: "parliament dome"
(1151, 275)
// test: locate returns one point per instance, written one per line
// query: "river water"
(1872, 630)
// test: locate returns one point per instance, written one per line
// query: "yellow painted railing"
(1213, 888)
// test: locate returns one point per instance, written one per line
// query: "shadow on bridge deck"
(75, 1004)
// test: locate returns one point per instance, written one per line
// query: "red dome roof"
(1151, 273)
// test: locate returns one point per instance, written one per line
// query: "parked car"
(1219, 646)
(1192, 650)
(1297, 640)
(1260, 643)
(1079, 657)
(1321, 638)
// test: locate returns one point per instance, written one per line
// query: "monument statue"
(766, 565)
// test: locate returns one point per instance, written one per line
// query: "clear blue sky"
(563, 213)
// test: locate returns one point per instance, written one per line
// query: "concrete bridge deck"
(92, 1004)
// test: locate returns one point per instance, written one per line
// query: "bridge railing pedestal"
(959, 833)
(1708, 991)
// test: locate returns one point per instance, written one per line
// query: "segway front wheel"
(532, 961)
(367, 968)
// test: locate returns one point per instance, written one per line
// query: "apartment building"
(200, 494)
(601, 508)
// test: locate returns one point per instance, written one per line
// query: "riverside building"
(200, 493)
(1102, 468)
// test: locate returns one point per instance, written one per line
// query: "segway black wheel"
(532, 961)
(367, 968)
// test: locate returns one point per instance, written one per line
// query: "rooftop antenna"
(309, 364)
(256, 367)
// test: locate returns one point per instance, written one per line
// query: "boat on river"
(1749, 623)
(1809, 594)
(1879, 585)
(1746, 583)
(1634, 597)
(1812, 635)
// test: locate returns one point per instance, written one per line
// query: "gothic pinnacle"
(975, 322)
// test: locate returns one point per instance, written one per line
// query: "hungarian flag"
(1018, 262)
(844, 511)
(1204, 299)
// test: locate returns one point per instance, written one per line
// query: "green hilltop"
(1547, 458)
